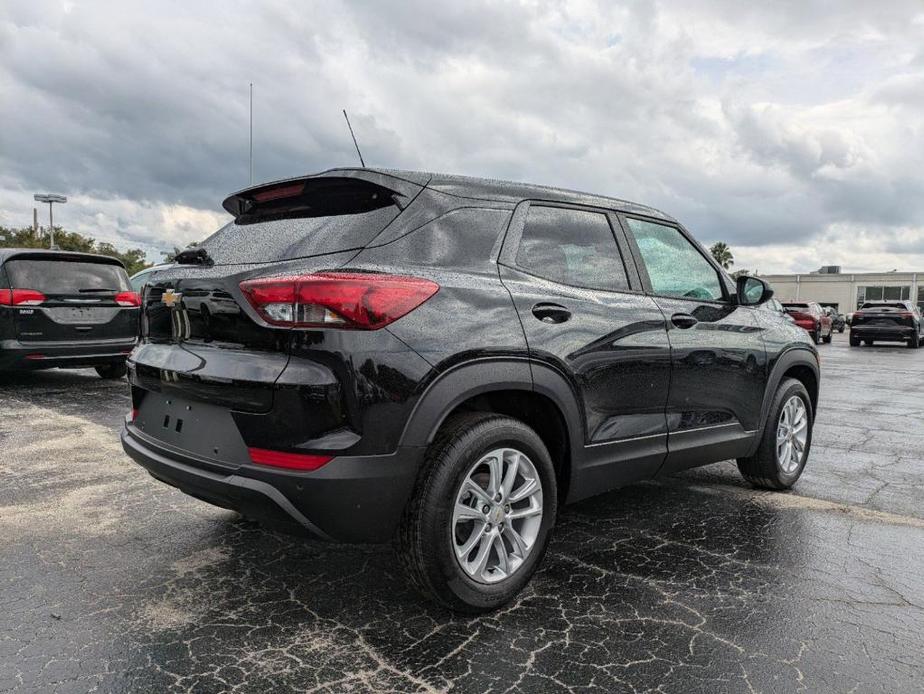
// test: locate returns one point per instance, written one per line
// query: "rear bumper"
(72, 355)
(351, 499)
(896, 333)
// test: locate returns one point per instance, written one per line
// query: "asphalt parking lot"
(110, 581)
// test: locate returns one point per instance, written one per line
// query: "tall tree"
(722, 254)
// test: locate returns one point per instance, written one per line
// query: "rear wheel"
(816, 336)
(868, 343)
(112, 371)
(854, 340)
(786, 441)
(480, 517)
(827, 339)
(915, 341)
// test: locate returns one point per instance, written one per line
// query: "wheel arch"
(798, 363)
(532, 393)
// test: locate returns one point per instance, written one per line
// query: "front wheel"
(786, 441)
(480, 517)
(112, 371)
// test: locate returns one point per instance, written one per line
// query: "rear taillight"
(798, 315)
(20, 297)
(290, 461)
(906, 314)
(352, 300)
(128, 299)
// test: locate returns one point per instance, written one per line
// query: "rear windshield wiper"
(97, 289)
(194, 256)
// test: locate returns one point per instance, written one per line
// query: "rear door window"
(574, 247)
(65, 276)
(675, 266)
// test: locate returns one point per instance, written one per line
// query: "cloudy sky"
(792, 130)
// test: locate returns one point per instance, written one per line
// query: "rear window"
(323, 216)
(65, 276)
(795, 307)
(884, 307)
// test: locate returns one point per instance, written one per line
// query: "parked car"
(838, 321)
(444, 360)
(140, 278)
(810, 316)
(65, 310)
(887, 321)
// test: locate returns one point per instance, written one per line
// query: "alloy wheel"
(792, 434)
(497, 515)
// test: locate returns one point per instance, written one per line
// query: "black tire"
(763, 469)
(840, 329)
(112, 371)
(816, 337)
(424, 540)
(915, 341)
(868, 343)
(827, 339)
(854, 340)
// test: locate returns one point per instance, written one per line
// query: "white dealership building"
(846, 291)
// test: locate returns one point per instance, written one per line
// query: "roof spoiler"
(292, 195)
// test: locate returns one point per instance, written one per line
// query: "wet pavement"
(111, 581)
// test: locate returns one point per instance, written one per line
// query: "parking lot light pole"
(51, 199)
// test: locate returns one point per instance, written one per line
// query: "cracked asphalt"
(111, 581)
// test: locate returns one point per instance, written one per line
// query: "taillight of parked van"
(350, 300)
(128, 299)
(21, 297)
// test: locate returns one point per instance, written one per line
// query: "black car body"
(302, 366)
(887, 321)
(67, 310)
(838, 320)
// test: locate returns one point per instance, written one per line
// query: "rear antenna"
(355, 144)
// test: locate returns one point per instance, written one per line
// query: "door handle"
(683, 320)
(551, 313)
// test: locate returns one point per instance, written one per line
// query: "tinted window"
(573, 247)
(329, 215)
(675, 266)
(65, 277)
(138, 281)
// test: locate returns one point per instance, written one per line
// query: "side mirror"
(753, 291)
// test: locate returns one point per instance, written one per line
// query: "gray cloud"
(762, 125)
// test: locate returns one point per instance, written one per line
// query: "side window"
(675, 266)
(575, 247)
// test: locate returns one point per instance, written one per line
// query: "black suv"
(366, 354)
(890, 321)
(68, 310)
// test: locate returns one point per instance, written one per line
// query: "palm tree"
(722, 254)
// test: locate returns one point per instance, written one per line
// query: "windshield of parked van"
(65, 276)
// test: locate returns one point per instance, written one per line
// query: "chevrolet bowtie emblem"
(170, 297)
